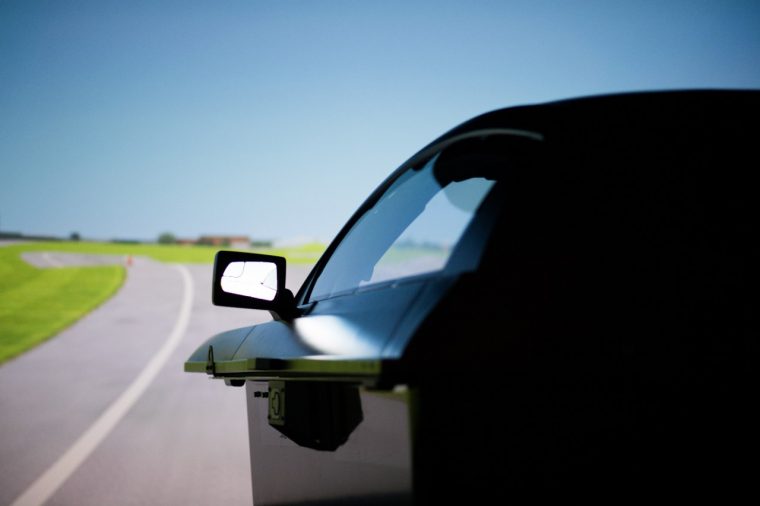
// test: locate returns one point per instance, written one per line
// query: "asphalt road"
(104, 414)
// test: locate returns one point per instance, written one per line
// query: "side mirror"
(251, 280)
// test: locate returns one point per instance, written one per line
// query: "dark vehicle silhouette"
(549, 295)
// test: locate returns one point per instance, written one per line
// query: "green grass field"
(36, 304)
(304, 254)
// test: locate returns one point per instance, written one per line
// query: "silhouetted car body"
(588, 322)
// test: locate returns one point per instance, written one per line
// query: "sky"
(276, 119)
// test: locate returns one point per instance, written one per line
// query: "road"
(104, 414)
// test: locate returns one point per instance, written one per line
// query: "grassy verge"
(36, 304)
(304, 254)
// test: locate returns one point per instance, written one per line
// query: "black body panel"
(606, 332)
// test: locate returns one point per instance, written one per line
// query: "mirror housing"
(236, 283)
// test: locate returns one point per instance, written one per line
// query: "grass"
(304, 254)
(36, 304)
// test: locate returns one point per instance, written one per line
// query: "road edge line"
(56, 475)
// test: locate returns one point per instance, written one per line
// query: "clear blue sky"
(276, 119)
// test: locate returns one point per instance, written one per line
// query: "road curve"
(181, 440)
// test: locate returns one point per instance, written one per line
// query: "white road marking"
(52, 261)
(46, 485)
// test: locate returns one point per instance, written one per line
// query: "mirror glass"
(251, 279)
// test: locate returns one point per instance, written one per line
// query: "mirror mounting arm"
(286, 307)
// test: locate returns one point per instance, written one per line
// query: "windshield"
(411, 230)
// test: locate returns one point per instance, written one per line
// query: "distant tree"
(167, 238)
(74, 236)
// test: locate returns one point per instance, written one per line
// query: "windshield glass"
(411, 230)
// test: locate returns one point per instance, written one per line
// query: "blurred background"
(137, 138)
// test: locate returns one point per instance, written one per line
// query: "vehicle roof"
(629, 110)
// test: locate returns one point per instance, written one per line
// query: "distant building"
(228, 241)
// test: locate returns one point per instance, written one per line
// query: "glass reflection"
(411, 230)
(251, 279)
